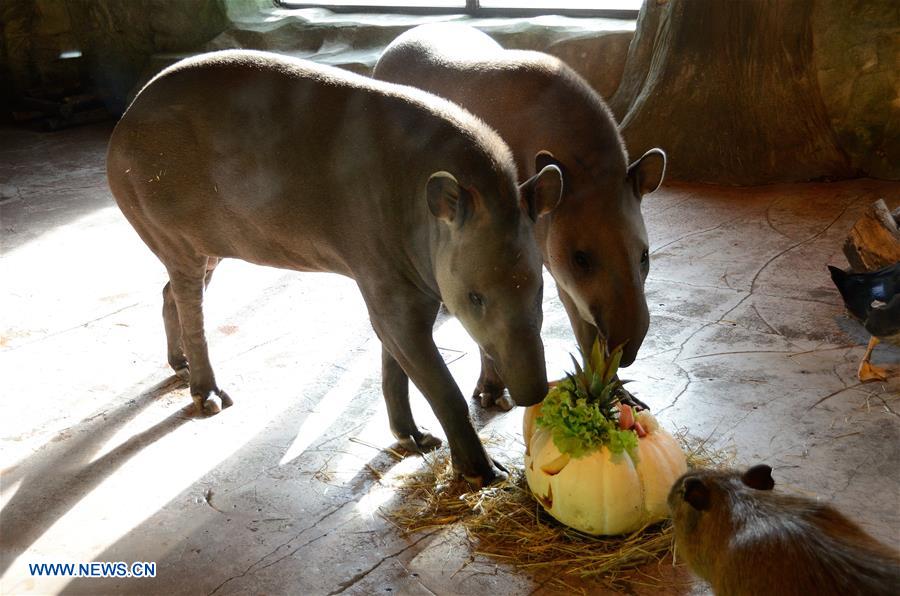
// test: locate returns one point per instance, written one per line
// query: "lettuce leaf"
(578, 426)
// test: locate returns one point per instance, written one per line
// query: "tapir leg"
(187, 290)
(177, 360)
(395, 385)
(404, 326)
(489, 391)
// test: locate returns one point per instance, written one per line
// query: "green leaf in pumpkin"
(596, 384)
(578, 369)
(606, 393)
(580, 411)
(623, 440)
(615, 359)
(598, 354)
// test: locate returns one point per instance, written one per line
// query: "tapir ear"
(541, 193)
(544, 158)
(759, 477)
(696, 493)
(447, 200)
(646, 174)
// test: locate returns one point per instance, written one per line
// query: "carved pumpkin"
(591, 462)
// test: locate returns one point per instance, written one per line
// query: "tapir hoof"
(486, 479)
(212, 403)
(505, 403)
(492, 396)
(421, 442)
(496, 475)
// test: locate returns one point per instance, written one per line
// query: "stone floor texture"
(749, 346)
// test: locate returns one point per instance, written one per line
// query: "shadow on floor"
(61, 472)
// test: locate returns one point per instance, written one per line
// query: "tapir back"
(272, 160)
(532, 99)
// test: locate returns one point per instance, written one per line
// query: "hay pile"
(505, 523)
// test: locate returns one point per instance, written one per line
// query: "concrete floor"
(100, 460)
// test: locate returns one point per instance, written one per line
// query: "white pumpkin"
(602, 493)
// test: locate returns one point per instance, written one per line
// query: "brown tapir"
(285, 163)
(594, 243)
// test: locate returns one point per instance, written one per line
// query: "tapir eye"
(476, 299)
(581, 260)
(645, 258)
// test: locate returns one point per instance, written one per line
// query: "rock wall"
(6, 91)
(855, 61)
(763, 91)
(102, 45)
(34, 35)
(856, 48)
(122, 43)
(595, 48)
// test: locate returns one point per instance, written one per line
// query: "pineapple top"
(583, 411)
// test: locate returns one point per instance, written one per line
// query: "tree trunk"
(729, 91)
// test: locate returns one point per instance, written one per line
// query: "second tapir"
(594, 243)
(281, 162)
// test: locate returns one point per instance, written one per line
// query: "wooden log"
(874, 241)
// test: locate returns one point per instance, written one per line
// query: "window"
(374, 4)
(599, 8)
(550, 5)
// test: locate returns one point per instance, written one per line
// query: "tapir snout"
(624, 328)
(520, 361)
(524, 391)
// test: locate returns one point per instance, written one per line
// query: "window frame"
(472, 8)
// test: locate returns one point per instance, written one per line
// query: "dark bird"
(874, 299)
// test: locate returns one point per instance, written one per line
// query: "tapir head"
(596, 247)
(489, 271)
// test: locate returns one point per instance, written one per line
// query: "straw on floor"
(504, 522)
